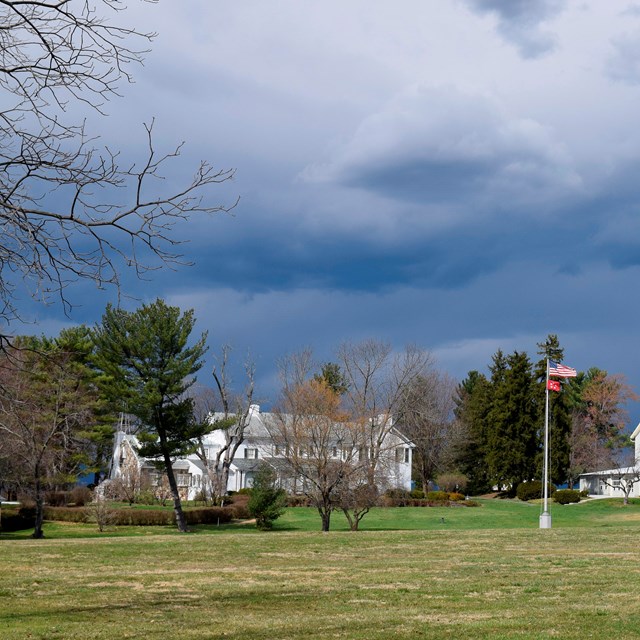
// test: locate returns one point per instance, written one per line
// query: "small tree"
(267, 501)
(625, 476)
(100, 511)
(127, 485)
(356, 499)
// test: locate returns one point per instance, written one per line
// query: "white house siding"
(594, 482)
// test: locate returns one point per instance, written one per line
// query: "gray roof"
(246, 464)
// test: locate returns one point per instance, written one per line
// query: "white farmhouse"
(258, 446)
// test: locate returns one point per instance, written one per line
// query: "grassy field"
(484, 572)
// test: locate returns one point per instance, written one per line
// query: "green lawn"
(492, 514)
(485, 572)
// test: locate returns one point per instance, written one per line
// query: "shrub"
(57, 498)
(267, 500)
(298, 500)
(417, 494)
(17, 519)
(147, 496)
(208, 515)
(437, 496)
(566, 496)
(239, 511)
(456, 497)
(533, 490)
(65, 514)
(395, 497)
(584, 493)
(452, 482)
(246, 491)
(81, 496)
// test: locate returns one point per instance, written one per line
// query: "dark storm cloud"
(519, 22)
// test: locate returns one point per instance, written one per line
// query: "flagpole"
(545, 517)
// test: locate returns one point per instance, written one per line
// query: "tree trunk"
(325, 514)
(39, 498)
(177, 503)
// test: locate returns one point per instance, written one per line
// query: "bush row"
(403, 498)
(145, 517)
(436, 503)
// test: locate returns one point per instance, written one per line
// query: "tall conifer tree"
(512, 441)
(148, 366)
(473, 402)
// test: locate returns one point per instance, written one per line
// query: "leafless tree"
(588, 452)
(625, 476)
(128, 484)
(426, 418)
(232, 420)
(377, 378)
(70, 210)
(100, 511)
(317, 444)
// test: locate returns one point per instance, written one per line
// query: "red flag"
(554, 385)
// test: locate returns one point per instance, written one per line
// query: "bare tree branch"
(70, 210)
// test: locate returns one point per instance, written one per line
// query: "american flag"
(561, 370)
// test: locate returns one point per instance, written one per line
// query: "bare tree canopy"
(68, 209)
(233, 421)
(426, 415)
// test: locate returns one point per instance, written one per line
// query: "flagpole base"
(545, 520)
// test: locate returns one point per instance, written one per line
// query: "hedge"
(145, 517)
(566, 496)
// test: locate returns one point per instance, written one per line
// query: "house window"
(183, 479)
(406, 455)
(402, 455)
(251, 454)
(334, 452)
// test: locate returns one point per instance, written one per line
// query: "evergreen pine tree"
(473, 403)
(512, 441)
(148, 366)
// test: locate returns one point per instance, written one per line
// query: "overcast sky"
(459, 174)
